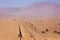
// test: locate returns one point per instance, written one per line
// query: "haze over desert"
(39, 21)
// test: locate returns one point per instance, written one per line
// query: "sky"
(22, 3)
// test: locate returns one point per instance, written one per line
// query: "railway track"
(33, 34)
(20, 33)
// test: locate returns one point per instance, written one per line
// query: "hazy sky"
(22, 3)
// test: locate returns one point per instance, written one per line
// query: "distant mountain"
(9, 10)
(42, 9)
(5, 16)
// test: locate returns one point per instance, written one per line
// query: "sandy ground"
(9, 29)
(31, 29)
(37, 28)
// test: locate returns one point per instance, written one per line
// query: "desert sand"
(8, 29)
(31, 29)
(42, 29)
(39, 21)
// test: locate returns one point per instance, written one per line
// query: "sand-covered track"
(48, 28)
